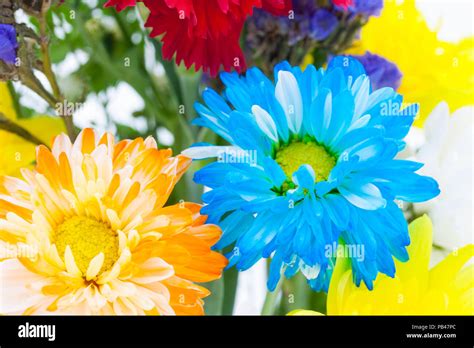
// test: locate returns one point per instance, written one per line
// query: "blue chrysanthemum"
(311, 165)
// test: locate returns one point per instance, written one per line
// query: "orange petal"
(47, 165)
(88, 140)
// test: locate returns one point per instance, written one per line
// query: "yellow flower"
(16, 151)
(446, 289)
(92, 235)
(433, 70)
(303, 312)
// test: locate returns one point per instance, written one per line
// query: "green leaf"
(230, 290)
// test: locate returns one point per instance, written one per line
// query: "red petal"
(203, 33)
(120, 4)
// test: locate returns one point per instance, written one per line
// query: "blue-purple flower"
(382, 72)
(322, 24)
(324, 28)
(363, 7)
(8, 43)
(367, 7)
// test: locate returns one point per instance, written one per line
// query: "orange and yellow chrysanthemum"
(87, 232)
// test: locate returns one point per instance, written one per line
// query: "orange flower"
(87, 233)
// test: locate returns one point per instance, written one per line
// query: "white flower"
(447, 154)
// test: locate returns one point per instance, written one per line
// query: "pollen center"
(292, 156)
(87, 237)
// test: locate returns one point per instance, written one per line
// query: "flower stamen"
(292, 156)
(87, 237)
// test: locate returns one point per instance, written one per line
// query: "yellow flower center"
(292, 156)
(87, 237)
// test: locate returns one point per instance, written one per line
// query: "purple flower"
(382, 72)
(8, 43)
(320, 28)
(312, 20)
(323, 23)
(368, 7)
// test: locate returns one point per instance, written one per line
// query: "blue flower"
(8, 43)
(368, 7)
(323, 23)
(311, 165)
(381, 71)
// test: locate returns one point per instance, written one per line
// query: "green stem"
(231, 277)
(47, 66)
(14, 128)
(48, 71)
(30, 81)
(269, 305)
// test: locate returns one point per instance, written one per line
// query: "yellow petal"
(419, 250)
(17, 152)
(94, 266)
(445, 272)
(71, 266)
(340, 285)
(45, 128)
(6, 102)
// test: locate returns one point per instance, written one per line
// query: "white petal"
(16, 294)
(201, 152)
(310, 272)
(366, 196)
(359, 123)
(362, 98)
(265, 122)
(288, 94)
(327, 114)
(62, 143)
(122, 306)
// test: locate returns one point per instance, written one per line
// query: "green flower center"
(292, 156)
(87, 237)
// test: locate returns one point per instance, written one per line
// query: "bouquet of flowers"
(196, 157)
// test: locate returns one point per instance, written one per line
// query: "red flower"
(203, 33)
(343, 3)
